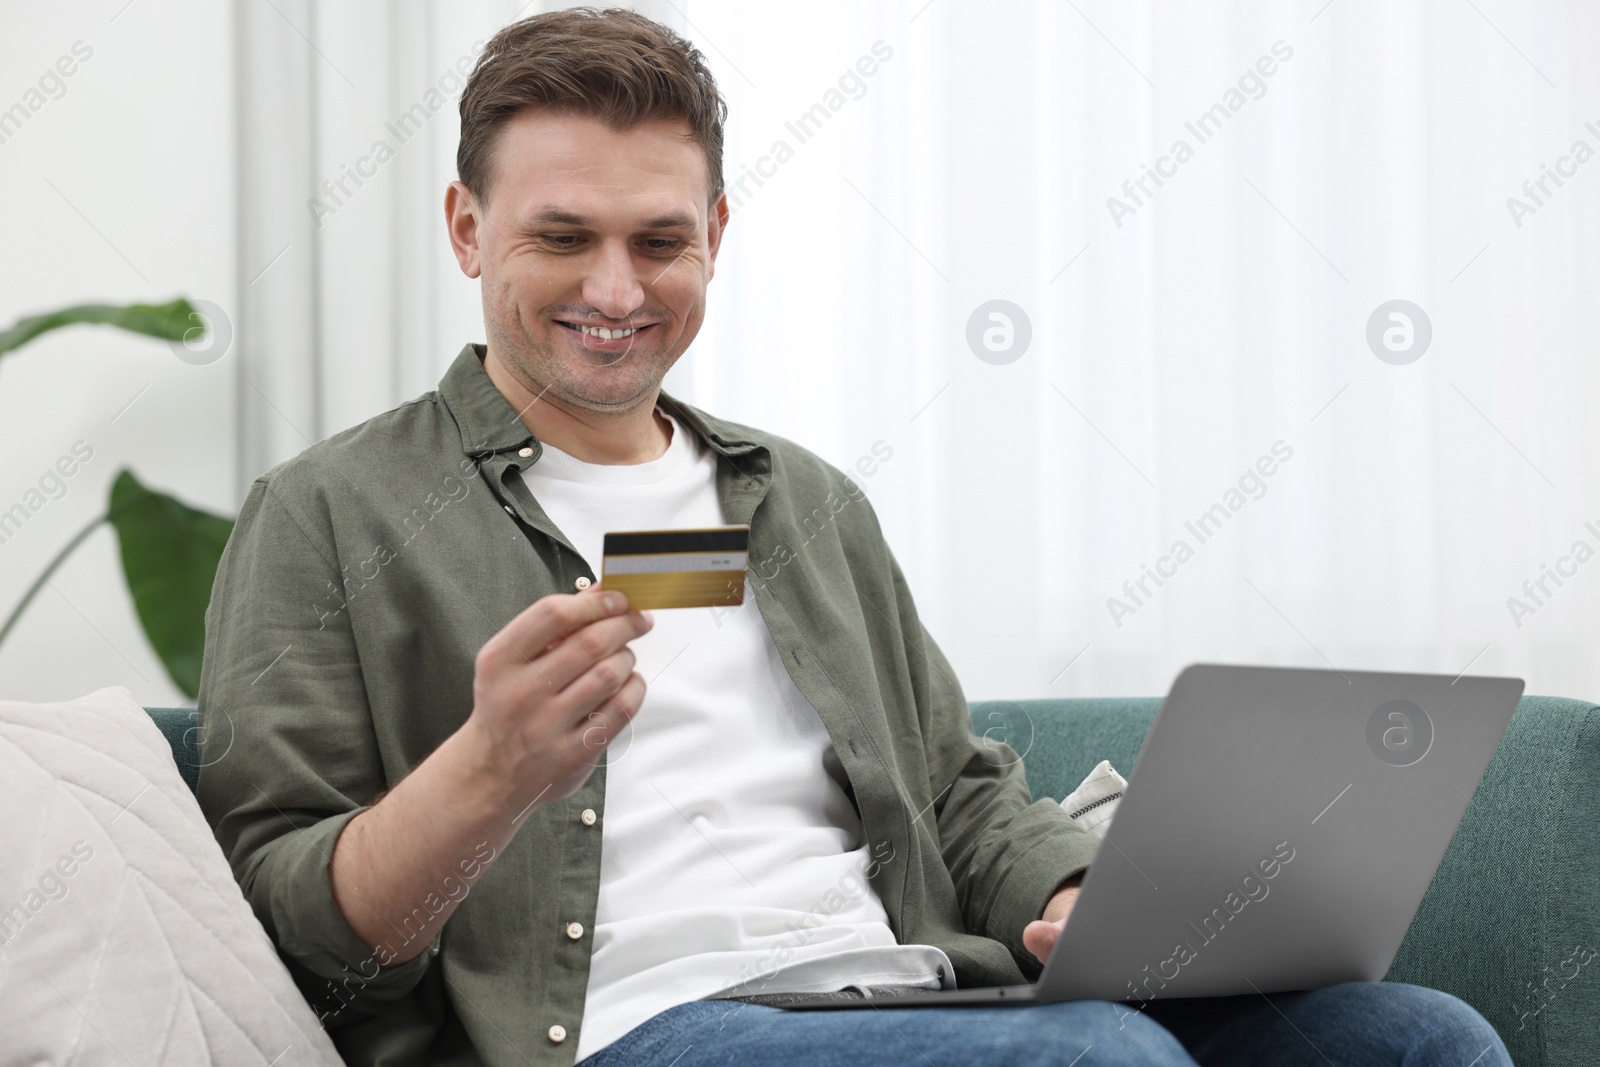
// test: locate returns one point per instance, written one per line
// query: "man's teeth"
(605, 334)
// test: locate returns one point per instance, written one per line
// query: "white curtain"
(1198, 456)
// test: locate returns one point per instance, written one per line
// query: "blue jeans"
(1359, 1024)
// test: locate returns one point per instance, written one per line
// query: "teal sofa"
(1511, 923)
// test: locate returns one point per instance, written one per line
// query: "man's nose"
(612, 286)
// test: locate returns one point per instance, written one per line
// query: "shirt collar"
(489, 424)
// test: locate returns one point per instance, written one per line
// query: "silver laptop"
(1278, 833)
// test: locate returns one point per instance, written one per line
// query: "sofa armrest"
(1511, 923)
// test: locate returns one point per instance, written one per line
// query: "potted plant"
(169, 550)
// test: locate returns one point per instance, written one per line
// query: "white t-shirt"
(729, 853)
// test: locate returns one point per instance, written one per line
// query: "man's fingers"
(581, 650)
(1039, 937)
(596, 685)
(548, 620)
(598, 728)
(593, 590)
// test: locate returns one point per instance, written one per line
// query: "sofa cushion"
(1511, 922)
(123, 936)
(181, 728)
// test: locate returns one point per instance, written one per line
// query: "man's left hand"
(1040, 936)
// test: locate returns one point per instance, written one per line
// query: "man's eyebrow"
(674, 220)
(559, 217)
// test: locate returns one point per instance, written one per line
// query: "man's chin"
(599, 382)
(594, 393)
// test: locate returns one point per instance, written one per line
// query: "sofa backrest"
(1059, 741)
(1511, 922)
(181, 728)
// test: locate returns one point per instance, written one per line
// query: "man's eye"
(660, 244)
(563, 240)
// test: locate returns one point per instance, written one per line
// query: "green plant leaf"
(170, 553)
(166, 321)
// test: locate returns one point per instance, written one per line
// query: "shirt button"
(582, 583)
(557, 1033)
(525, 453)
(588, 817)
(508, 509)
(574, 930)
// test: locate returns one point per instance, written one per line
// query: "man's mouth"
(604, 333)
(610, 340)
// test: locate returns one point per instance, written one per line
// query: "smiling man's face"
(595, 249)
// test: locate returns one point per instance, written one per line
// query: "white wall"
(119, 191)
(1223, 315)
(1220, 317)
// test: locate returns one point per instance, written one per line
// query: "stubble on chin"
(549, 376)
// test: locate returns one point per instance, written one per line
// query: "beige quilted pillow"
(123, 937)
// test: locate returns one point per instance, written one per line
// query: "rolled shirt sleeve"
(1006, 852)
(288, 750)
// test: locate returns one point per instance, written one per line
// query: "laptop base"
(850, 999)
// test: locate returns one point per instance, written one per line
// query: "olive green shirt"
(362, 578)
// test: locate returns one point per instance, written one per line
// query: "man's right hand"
(550, 692)
(553, 689)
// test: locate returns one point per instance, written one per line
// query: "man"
(489, 815)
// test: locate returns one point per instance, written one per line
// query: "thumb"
(1039, 937)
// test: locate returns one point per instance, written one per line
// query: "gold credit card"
(677, 568)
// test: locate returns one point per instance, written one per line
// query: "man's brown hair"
(610, 64)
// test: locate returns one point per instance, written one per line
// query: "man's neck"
(636, 436)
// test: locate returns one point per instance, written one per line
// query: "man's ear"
(461, 210)
(714, 227)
